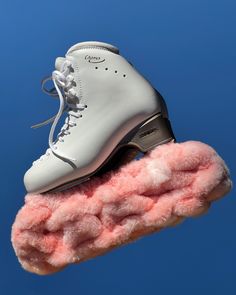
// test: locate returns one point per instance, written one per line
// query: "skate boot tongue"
(93, 44)
(59, 62)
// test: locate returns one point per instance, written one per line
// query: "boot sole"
(143, 138)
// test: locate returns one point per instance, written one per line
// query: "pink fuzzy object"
(169, 183)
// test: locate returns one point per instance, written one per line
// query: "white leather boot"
(109, 105)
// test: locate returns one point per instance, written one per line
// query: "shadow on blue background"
(187, 49)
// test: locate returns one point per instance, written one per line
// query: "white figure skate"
(109, 106)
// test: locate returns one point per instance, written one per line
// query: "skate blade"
(143, 138)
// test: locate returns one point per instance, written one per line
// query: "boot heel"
(152, 133)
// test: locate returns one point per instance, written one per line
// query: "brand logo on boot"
(94, 59)
(148, 132)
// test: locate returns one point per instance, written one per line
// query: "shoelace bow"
(63, 83)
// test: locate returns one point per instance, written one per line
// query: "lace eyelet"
(86, 106)
(70, 67)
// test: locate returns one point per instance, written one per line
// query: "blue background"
(187, 49)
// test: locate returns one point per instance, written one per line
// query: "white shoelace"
(63, 83)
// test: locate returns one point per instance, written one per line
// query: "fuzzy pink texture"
(169, 183)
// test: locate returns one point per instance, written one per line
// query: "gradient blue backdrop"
(188, 51)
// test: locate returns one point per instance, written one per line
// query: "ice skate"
(110, 107)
